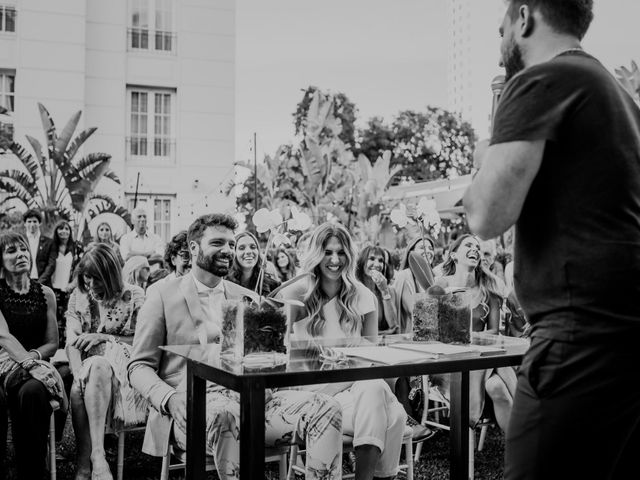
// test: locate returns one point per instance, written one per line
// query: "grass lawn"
(433, 464)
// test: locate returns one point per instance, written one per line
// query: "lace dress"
(26, 313)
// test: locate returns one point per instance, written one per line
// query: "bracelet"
(113, 339)
(37, 353)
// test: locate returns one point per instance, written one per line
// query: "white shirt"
(147, 244)
(211, 302)
(34, 242)
(62, 273)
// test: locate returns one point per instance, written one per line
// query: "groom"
(186, 310)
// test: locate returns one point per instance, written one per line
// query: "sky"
(385, 55)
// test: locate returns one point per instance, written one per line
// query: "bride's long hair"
(315, 298)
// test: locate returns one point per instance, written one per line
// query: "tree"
(428, 145)
(55, 183)
(343, 115)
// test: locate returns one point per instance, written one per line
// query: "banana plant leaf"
(421, 270)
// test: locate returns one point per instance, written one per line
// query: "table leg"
(459, 422)
(196, 424)
(252, 407)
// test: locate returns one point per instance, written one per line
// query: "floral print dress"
(88, 315)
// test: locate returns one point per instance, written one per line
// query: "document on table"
(438, 350)
(386, 355)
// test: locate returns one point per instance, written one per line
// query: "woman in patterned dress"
(101, 319)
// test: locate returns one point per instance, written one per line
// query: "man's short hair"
(138, 210)
(571, 17)
(177, 243)
(197, 228)
(32, 213)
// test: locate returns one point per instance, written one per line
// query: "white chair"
(51, 458)
(434, 395)
(121, 438)
(407, 467)
(274, 454)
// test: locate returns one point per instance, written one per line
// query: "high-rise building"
(474, 54)
(156, 77)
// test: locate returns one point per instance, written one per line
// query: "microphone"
(497, 84)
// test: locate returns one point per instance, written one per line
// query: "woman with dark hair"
(246, 267)
(65, 254)
(28, 333)
(339, 310)
(285, 264)
(463, 269)
(373, 269)
(405, 284)
(101, 319)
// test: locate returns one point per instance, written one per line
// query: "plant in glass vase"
(255, 330)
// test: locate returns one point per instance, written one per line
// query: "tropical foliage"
(333, 175)
(54, 181)
(630, 79)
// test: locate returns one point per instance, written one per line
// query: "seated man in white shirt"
(187, 310)
(140, 241)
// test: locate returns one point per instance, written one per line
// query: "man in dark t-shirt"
(564, 165)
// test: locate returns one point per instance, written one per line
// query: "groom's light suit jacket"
(171, 315)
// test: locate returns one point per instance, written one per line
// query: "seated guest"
(177, 257)
(186, 310)
(66, 253)
(140, 241)
(374, 270)
(39, 246)
(101, 319)
(28, 332)
(405, 284)
(339, 310)
(463, 269)
(136, 271)
(285, 265)
(105, 235)
(247, 266)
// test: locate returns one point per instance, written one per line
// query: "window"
(152, 25)
(7, 90)
(7, 18)
(150, 123)
(158, 208)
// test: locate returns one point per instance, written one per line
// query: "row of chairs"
(176, 460)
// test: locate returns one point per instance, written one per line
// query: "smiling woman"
(245, 270)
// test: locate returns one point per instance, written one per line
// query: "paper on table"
(387, 355)
(447, 350)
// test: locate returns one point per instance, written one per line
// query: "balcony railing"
(139, 38)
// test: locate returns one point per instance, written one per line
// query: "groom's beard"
(212, 263)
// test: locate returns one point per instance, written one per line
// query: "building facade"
(473, 59)
(156, 77)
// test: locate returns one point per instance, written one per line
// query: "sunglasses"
(185, 255)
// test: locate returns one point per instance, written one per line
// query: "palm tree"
(55, 183)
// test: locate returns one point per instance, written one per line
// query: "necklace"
(571, 50)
